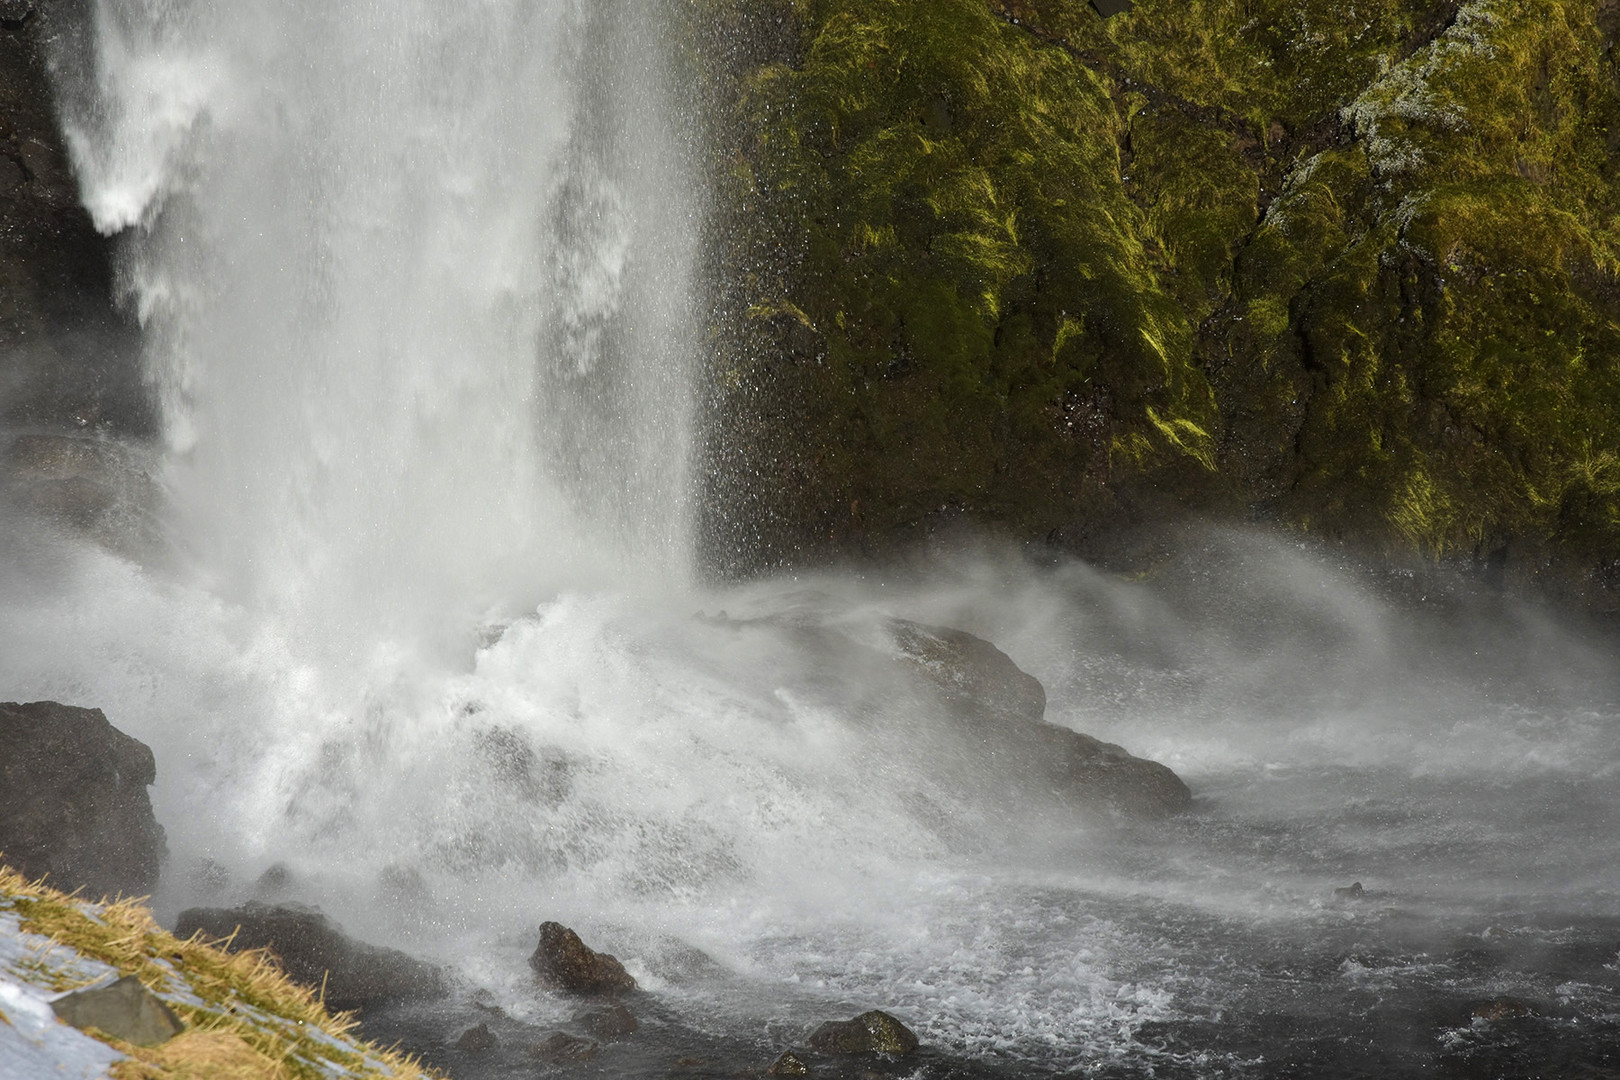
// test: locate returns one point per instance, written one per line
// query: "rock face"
(564, 962)
(315, 952)
(69, 360)
(73, 800)
(1070, 276)
(873, 1032)
(985, 691)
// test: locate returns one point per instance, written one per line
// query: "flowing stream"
(427, 646)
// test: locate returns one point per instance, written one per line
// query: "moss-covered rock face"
(1349, 265)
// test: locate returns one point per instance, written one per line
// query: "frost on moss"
(1350, 264)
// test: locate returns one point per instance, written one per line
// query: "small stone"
(1502, 1008)
(564, 962)
(689, 1062)
(125, 1010)
(613, 1022)
(563, 1047)
(1350, 892)
(873, 1032)
(788, 1065)
(475, 1040)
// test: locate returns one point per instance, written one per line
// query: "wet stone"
(788, 1065)
(125, 1010)
(612, 1022)
(1502, 1008)
(475, 1040)
(564, 962)
(873, 1032)
(1350, 892)
(562, 1048)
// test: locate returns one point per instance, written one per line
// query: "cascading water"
(416, 289)
(415, 284)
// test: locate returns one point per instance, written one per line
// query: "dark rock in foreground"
(73, 801)
(563, 1047)
(788, 1065)
(476, 1040)
(873, 1032)
(564, 962)
(611, 1022)
(125, 1010)
(314, 951)
(984, 690)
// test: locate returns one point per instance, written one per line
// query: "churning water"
(416, 287)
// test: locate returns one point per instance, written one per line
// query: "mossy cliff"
(1347, 266)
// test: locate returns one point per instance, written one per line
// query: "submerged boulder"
(874, 1032)
(984, 690)
(73, 800)
(350, 974)
(564, 962)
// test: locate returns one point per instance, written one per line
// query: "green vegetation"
(244, 1019)
(1347, 266)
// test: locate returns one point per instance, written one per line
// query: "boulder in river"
(788, 1065)
(562, 1048)
(314, 951)
(985, 692)
(564, 962)
(612, 1021)
(873, 1032)
(73, 800)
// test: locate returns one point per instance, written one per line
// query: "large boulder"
(990, 696)
(564, 962)
(874, 1032)
(73, 800)
(352, 975)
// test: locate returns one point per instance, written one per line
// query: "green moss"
(1352, 264)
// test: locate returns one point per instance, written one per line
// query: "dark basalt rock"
(476, 1040)
(788, 1065)
(73, 801)
(562, 1048)
(564, 962)
(125, 1010)
(873, 1032)
(614, 1021)
(981, 687)
(315, 952)
(1502, 1008)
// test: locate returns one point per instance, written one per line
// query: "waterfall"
(415, 284)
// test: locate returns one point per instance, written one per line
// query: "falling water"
(416, 290)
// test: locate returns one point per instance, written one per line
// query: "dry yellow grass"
(254, 1023)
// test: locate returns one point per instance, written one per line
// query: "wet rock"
(983, 689)
(1106, 776)
(476, 1040)
(564, 962)
(611, 1022)
(788, 1065)
(125, 1010)
(275, 883)
(1502, 1008)
(1350, 892)
(562, 1048)
(314, 951)
(73, 800)
(973, 676)
(873, 1032)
